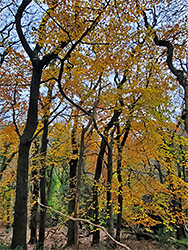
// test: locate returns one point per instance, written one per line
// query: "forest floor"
(56, 240)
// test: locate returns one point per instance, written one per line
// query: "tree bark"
(35, 195)
(183, 81)
(98, 170)
(119, 166)
(109, 208)
(20, 211)
(120, 198)
(78, 187)
(72, 186)
(20, 214)
(179, 74)
(43, 153)
(180, 230)
(34, 209)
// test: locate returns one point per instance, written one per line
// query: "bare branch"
(14, 114)
(5, 162)
(40, 130)
(48, 13)
(63, 93)
(88, 222)
(19, 14)
(170, 50)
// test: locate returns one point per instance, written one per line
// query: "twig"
(40, 130)
(86, 221)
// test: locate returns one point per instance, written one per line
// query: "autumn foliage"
(94, 114)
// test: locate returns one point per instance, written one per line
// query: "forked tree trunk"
(20, 213)
(98, 171)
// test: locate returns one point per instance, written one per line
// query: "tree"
(20, 217)
(100, 52)
(73, 167)
(180, 74)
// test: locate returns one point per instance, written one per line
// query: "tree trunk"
(34, 209)
(179, 74)
(78, 187)
(42, 220)
(180, 230)
(34, 199)
(33, 220)
(71, 207)
(186, 104)
(43, 153)
(20, 214)
(119, 166)
(109, 209)
(72, 186)
(8, 225)
(96, 232)
(98, 171)
(120, 198)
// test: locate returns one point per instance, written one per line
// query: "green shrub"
(181, 244)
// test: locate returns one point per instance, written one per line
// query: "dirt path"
(56, 239)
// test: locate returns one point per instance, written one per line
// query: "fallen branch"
(86, 221)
